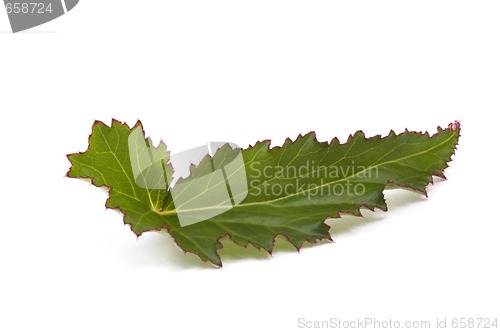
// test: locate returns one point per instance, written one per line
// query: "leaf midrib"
(271, 202)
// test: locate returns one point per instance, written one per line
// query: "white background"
(242, 71)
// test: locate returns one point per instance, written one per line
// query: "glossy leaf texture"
(292, 189)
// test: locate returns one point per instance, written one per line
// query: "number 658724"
(28, 8)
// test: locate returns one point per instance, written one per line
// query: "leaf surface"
(291, 190)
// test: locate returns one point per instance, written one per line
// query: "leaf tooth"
(334, 142)
(391, 134)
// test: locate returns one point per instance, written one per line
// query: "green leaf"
(291, 190)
